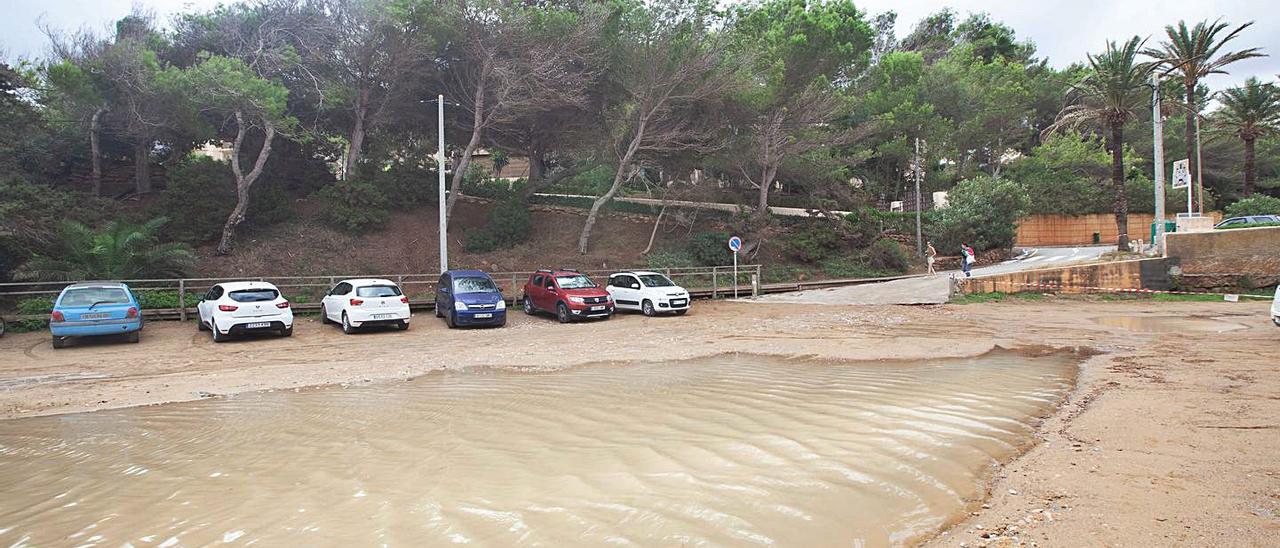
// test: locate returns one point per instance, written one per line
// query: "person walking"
(929, 254)
(966, 260)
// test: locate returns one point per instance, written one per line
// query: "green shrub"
(200, 194)
(32, 306)
(151, 299)
(404, 185)
(886, 254)
(1254, 205)
(509, 224)
(851, 267)
(353, 205)
(710, 249)
(480, 186)
(981, 212)
(815, 240)
(668, 258)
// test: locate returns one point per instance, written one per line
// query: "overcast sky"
(1063, 31)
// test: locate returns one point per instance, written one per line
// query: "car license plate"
(597, 308)
(677, 302)
(383, 316)
(257, 325)
(97, 316)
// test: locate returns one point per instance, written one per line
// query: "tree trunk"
(1117, 182)
(355, 144)
(464, 162)
(95, 151)
(1249, 168)
(243, 181)
(142, 166)
(624, 167)
(656, 223)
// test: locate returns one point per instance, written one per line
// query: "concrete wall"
(1227, 258)
(1137, 274)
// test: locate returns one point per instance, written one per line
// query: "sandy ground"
(1171, 438)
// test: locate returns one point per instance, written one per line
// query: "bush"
(26, 210)
(151, 299)
(667, 258)
(851, 267)
(32, 306)
(509, 224)
(815, 240)
(887, 255)
(981, 212)
(404, 185)
(200, 193)
(353, 205)
(710, 249)
(1254, 205)
(480, 186)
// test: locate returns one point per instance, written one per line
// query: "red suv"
(568, 293)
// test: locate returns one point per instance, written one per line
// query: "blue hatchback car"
(94, 309)
(469, 297)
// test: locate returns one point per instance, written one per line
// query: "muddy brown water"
(1170, 324)
(729, 450)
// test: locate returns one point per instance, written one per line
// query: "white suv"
(648, 292)
(238, 308)
(365, 302)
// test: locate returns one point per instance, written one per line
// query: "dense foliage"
(1256, 205)
(353, 205)
(982, 213)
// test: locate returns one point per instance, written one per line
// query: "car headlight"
(502, 305)
(459, 305)
(578, 300)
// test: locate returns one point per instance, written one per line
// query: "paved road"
(935, 290)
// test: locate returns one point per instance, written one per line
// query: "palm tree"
(1249, 112)
(1196, 53)
(118, 252)
(1108, 97)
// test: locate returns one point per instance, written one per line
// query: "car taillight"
(227, 307)
(284, 304)
(57, 316)
(356, 302)
(132, 313)
(404, 300)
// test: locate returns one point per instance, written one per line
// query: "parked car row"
(463, 298)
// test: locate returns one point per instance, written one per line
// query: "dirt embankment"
(1170, 438)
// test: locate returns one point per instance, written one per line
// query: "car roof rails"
(570, 270)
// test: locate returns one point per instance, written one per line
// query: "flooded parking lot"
(1170, 324)
(734, 449)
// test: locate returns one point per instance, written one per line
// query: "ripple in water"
(730, 450)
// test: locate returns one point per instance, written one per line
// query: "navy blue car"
(469, 297)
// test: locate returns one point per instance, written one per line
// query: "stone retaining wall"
(1135, 274)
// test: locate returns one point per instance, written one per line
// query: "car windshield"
(91, 296)
(378, 291)
(474, 285)
(254, 295)
(656, 280)
(574, 282)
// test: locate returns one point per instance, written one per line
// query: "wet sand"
(1170, 437)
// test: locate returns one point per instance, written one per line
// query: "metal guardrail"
(304, 291)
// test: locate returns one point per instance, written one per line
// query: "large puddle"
(730, 450)
(1170, 324)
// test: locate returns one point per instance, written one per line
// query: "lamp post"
(444, 219)
(1157, 129)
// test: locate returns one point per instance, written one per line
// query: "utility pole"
(1199, 170)
(1157, 125)
(444, 221)
(915, 170)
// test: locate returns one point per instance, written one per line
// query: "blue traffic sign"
(735, 244)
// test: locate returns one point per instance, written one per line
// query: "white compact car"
(239, 308)
(1275, 308)
(365, 302)
(648, 292)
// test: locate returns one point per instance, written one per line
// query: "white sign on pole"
(735, 244)
(1182, 174)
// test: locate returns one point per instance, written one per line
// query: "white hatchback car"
(648, 292)
(1275, 308)
(365, 302)
(239, 308)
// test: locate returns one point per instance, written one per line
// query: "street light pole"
(1157, 139)
(444, 220)
(1199, 170)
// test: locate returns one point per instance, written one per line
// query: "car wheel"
(135, 336)
(59, 342)
(404, 325)
(324, 315)
(451, 320)
(503, 323)
(287, 332)
(439, 311)
(562, 313)
(528, 306)
(1276, 320)
(200, 326)
(681, 312)
(217, 335)
(1, 327)
(346, 324)
(647, 308)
